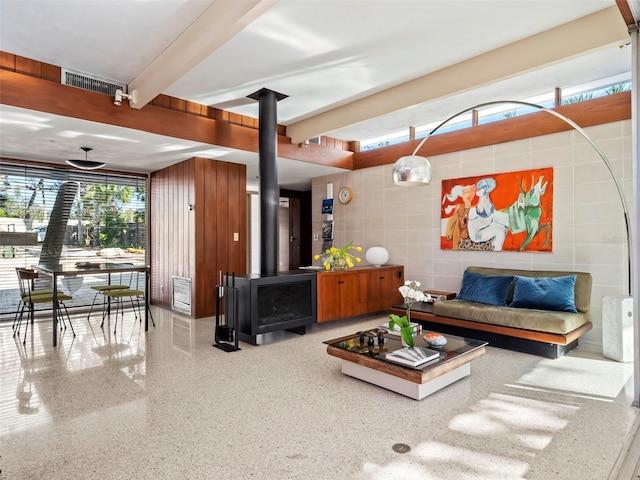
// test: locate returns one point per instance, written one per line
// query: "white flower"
(411, 293)
(417, 295)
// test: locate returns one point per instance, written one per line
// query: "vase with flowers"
(339, 258)
(411, 293)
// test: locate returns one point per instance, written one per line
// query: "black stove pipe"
(268, 181)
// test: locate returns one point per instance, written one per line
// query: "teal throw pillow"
(490, 290)
(545, 293)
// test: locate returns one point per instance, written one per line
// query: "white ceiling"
(322, 54)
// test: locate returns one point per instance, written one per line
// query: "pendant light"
(85, 164)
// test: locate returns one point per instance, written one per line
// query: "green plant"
(621, 87)
(411, 293)
(578, 98)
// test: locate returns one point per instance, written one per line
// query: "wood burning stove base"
(269, 337)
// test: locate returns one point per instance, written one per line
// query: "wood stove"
(272, 301)
(275, 302)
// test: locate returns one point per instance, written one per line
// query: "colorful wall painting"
(499, 212)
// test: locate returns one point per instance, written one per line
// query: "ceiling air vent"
(93, 84)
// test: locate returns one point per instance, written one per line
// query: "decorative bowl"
(435, 339)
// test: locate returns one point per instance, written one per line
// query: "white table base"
(417, 391)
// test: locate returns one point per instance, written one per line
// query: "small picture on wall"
(327, 230)
(327, 206)
(499, 212)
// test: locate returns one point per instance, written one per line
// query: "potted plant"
(339, 258)
(411, 293)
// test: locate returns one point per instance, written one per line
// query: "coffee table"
(366, 362)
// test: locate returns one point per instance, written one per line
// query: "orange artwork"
(500, 212)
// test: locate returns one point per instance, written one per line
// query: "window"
(76, 216)
(579, 93)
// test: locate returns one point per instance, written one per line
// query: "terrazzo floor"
(167, 405)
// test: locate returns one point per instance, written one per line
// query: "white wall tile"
(510, 149)
(552, 157)
(553, 141)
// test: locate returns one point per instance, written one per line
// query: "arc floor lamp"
(416, 170)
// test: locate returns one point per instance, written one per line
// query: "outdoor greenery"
(17, 205)
(577, 98)
(103, 215)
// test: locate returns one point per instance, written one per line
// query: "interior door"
(295, 233)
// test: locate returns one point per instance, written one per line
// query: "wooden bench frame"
(551, 345)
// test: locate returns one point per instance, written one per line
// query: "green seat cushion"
(44, 298)
(104, 288)
(38, 293)
(35, 295)
(41, 291)
(124, 293)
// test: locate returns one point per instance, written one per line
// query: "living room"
(588, 235)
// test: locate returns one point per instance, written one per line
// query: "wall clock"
(345, 195)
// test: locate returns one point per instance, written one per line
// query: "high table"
(57, 270)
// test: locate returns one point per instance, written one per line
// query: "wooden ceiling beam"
(32, 93)
(627, 14)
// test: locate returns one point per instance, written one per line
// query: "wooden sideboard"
(358, 290)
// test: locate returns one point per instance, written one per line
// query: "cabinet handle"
(340, 281)
(380, 278)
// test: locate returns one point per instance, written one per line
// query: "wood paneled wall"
(196, 207)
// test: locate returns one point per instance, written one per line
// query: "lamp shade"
(412, 170)
(377, 256)
(85, 164)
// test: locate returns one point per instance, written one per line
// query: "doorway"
(294, 230)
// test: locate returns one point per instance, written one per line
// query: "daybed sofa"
(534, 311)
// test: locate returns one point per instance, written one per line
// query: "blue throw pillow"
(490, 290)
(545, 293)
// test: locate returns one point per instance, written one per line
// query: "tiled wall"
(588, 222)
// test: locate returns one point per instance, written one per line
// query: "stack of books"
(439, 295)
(412, 356)
(416, 327)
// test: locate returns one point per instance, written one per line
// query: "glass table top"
(368, 343)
